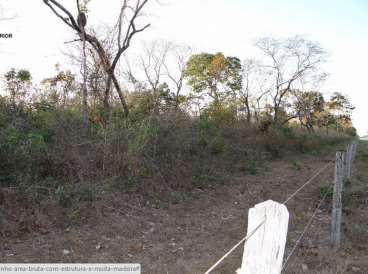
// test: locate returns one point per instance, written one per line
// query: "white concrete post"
(264, 250)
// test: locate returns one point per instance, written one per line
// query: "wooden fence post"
(348, 161)
(337, 200)
(264, 250)
(344, 164)
(355, 146)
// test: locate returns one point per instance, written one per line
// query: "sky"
(228, 26)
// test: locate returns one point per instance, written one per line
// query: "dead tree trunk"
(129, 12)
(81, 24)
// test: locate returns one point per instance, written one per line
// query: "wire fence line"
(307, 226)
(244, 239)
(308, 182)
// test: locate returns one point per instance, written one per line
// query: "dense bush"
(40, 142)
(46, 156)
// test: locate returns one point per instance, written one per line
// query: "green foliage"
(206, 180)
(20, 149)
(220, 114)
(75, 216)
(142, 105)
(308, 105)
(177, 197)
(362, 153)
(211, 124)
(87, 192)
(24, 75)
(59, 86)
(296, 165)
(326, 190)
(44, 155)
(206, 72)
(61, 196)
(145, 103)
(16, 83)
(265, 122)
(15, 77)
(351, 131)
(252, 167)
(340, 102)
(342, 108)
(217, 144)
(274, 141)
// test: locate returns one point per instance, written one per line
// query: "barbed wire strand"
(303, 233)
(246, 238)
(250, 235)
(307, 183)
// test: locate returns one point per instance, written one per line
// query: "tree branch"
(73, 23)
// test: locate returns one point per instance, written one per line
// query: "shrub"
(252, 167)
(45, 157)
(296, 165)
(326, 190)
(217, 144)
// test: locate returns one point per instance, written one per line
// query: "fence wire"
(308, 182)
(307, 226)
(286, 201)
(245, 239)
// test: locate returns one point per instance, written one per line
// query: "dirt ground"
(189, 236)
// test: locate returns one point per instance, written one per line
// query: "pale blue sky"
(230, 26)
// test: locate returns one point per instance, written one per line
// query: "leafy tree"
(170, 99)
(341, 107)
(325, 119)
(307, 106)
(16, 82)
(61, 85)
(214, 74)
(340, 103)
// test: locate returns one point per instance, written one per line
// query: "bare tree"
(82, 21)
(253, 88)
(126, 28)
(161, 66)
(291, 64)
(153, 62)
(176, 73)
(248, 88)
(96, 75)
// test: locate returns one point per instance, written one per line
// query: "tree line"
(167, 77)
(278, 87)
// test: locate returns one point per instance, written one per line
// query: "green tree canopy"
(216, 75)
(16, 82)
(340, 103)
(308, 106)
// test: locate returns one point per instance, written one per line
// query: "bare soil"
(192, 234)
